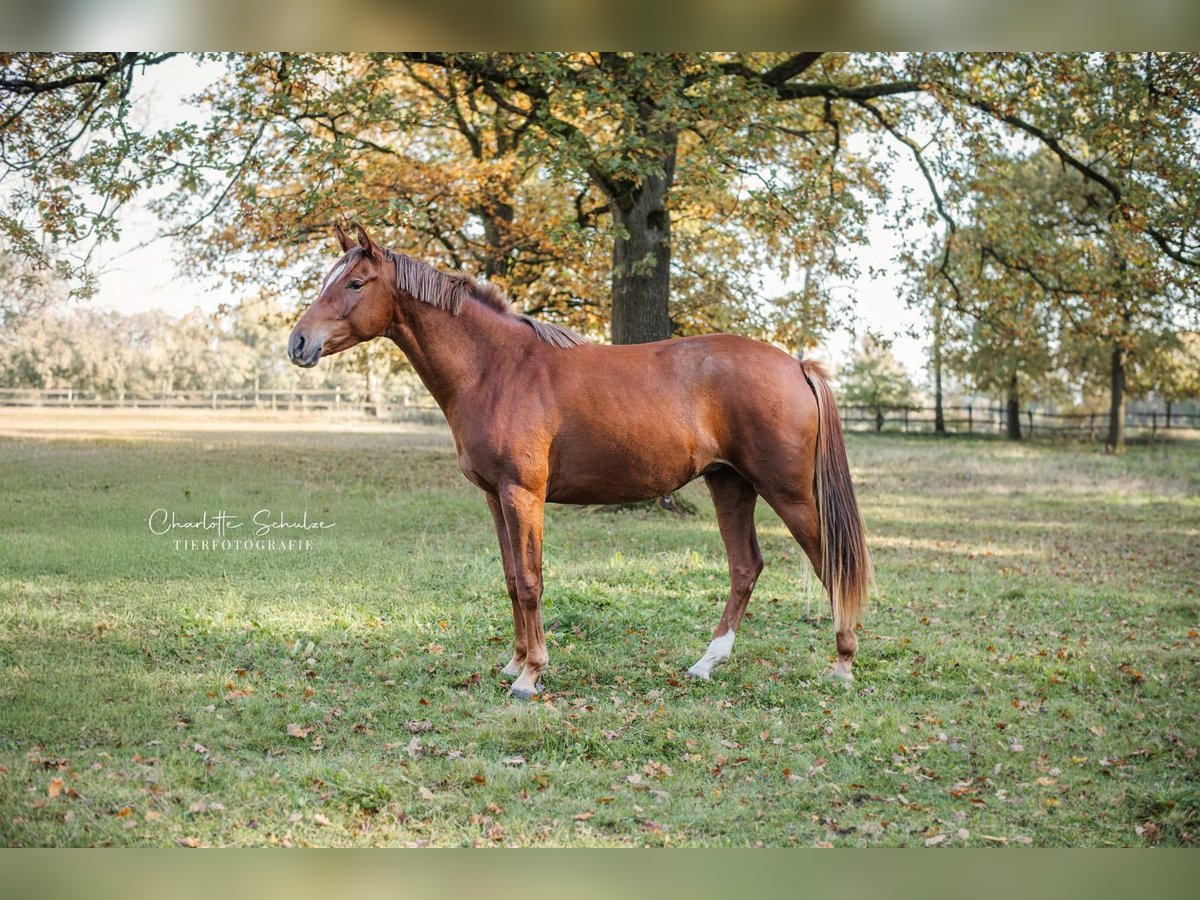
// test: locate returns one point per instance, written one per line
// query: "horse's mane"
(448, 291)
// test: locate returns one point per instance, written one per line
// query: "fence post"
(1029, 415)
(906, 420)
(214, 400)
(1153, 425)
(970, 416)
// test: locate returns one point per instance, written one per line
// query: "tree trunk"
(878, 420)
(939, 416)
(375, 388)
(497, 218)
(1014, 410)
(1116, 407)
(641, 279)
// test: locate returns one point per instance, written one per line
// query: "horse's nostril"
(299, 343)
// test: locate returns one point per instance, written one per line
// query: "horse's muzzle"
(303, 352)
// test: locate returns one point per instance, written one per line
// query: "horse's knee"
(528, 591)
(746, 574)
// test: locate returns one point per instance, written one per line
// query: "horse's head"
(355, 303)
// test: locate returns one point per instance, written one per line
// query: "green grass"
(1027, 673)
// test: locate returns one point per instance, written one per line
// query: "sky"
(142, 271)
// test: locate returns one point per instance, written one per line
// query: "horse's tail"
(845, 561)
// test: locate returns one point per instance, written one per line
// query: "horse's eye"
(356, 285)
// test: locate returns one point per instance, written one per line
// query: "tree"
(876, 379)
(656, 132)
(1041, 260)
(70, 157)
(1099, 210)
(1168, 367)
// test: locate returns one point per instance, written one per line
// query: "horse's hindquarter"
(638, 422)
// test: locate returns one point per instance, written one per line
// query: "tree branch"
(794, 65)
(1067, 158)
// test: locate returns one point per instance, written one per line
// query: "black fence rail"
(992, 419)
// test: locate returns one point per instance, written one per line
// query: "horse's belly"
(601, 472)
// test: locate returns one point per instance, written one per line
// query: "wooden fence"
(992, 419)
(416, 404)
(407, 404)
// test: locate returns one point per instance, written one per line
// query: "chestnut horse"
(541, 415)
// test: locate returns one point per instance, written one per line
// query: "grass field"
(1027, 674)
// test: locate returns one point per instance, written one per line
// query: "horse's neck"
(451, 353)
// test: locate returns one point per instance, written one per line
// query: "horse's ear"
(364, 240)
(343, 239)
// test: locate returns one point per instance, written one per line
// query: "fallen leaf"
(584, 816)
(426, 793)
(321, 819)
(1149, 831)
(298, 731)
(479, 779)
(655, 769)
(55, 787)
(936, 839)
(190, 842)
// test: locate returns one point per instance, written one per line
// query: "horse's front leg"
(517, 664)
(522, 510)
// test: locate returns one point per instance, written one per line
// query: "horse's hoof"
(842, 676)
(698, 674)
(524, 693)
(512, 672)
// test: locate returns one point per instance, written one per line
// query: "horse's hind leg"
(799, 512)
(734, 498)
(516, 665)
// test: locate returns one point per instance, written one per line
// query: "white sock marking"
(717, 653)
